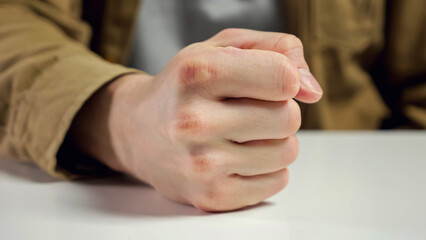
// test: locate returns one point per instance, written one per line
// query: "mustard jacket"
(369, 56)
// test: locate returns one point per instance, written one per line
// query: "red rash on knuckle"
(202, 163)
(189, 122)
(194, 72)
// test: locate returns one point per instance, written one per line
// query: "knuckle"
(231, 51)
(193, 47)
(292, 151)
(188, 126)
(236, 37)
(294, 50)
(287, 79)
(286, 42)
(292, 116)
(296, 119)
(202, 163)
(215, 198)
(283, 180)
(188, 121)
(294, 42)
(228, 32)
(206, 163)
(194, 71)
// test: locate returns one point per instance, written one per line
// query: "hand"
(215, 128)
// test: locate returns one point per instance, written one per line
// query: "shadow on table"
(131, 198)
(116, 195)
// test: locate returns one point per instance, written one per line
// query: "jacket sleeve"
(46, 75)
(405, 63)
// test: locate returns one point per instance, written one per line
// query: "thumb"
(310, 91)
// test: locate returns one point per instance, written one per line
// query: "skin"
(215, 129)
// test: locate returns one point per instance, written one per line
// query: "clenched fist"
(215, 128)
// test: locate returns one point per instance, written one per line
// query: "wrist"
(94, 128)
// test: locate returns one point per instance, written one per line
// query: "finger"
(262, 156)
(238, 192)
(248, 119)
(287, 44)
(235, 73)
(261, 187)
(283, 43)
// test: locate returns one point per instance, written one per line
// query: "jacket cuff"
(47, 110)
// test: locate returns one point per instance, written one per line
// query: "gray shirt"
(166, 26)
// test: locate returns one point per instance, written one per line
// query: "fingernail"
(309, 81)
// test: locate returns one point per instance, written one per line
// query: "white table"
(344, 185)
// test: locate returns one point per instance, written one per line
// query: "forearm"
(92, 131)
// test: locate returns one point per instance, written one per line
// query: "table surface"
(344, 185)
